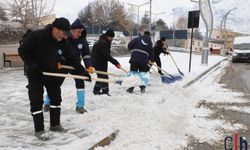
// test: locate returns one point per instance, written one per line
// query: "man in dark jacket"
(159, 48)
(141, 54)
(41, 51)
(100, 57)
(80, 49)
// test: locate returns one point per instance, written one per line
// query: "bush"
(10, 32)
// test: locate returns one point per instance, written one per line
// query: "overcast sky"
(238, 20)
(71, 8)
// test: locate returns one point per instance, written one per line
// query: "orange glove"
(59, 65)
(118, 66)
(90, 69)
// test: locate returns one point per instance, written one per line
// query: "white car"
(241, 56)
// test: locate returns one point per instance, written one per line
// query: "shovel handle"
(160, 69)
(173, 60)
(152, 68)
(60, 66)
(81, 77)
(124, 70)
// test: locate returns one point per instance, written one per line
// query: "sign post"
(193, 22)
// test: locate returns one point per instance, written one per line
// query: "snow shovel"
(60, 66)
(164, 79)
(173, 77)
(176, 65)
(124, 70)
(82, 77)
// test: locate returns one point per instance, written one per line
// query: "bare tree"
(29, 12)
(106, 13)
(86, 15)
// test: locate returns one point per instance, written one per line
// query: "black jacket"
(39, 49)
(101, 54)
(159, 48)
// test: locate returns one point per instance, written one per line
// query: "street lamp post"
(138, 13)
(150, 16)
(174, 28)
(224, 34)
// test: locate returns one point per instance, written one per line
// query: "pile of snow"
(131, 81)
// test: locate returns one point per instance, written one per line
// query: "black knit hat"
(62, 24)
(76, 24)
(110, 33)
(163, 38)
(147, 33)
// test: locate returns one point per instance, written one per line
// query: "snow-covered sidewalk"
(162, 118)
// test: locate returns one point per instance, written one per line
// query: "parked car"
(241, 56)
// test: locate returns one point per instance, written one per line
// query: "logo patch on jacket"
(59, 52)
(79, 46)
(144, 43)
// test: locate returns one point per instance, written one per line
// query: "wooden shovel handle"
(160, 68)
(77, 77)
(60, 66)
(124, 70)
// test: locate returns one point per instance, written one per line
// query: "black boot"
(38, 122)
(97, 90)
(130, 90)
(42, 135)
(143, 88)
(58, 128)
(55, 116)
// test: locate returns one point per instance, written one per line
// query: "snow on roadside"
(161, 118)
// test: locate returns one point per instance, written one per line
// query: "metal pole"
(191, 50)
(33, 13)
(138, 20)
(191, 44)
(225, 35)
(132, 25)
(150, 16)
(174, 29)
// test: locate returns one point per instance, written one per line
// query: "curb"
(202, 74)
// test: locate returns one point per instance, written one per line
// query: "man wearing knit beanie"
(80, 49)
(40, 50)
(100, 57)
(160, 47)
(62, 27)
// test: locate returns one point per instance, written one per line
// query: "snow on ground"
(161, 118)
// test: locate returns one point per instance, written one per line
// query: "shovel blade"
(166, 79)
(176, 77)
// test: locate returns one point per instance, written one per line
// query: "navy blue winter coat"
(80, 48)
(141, 50)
